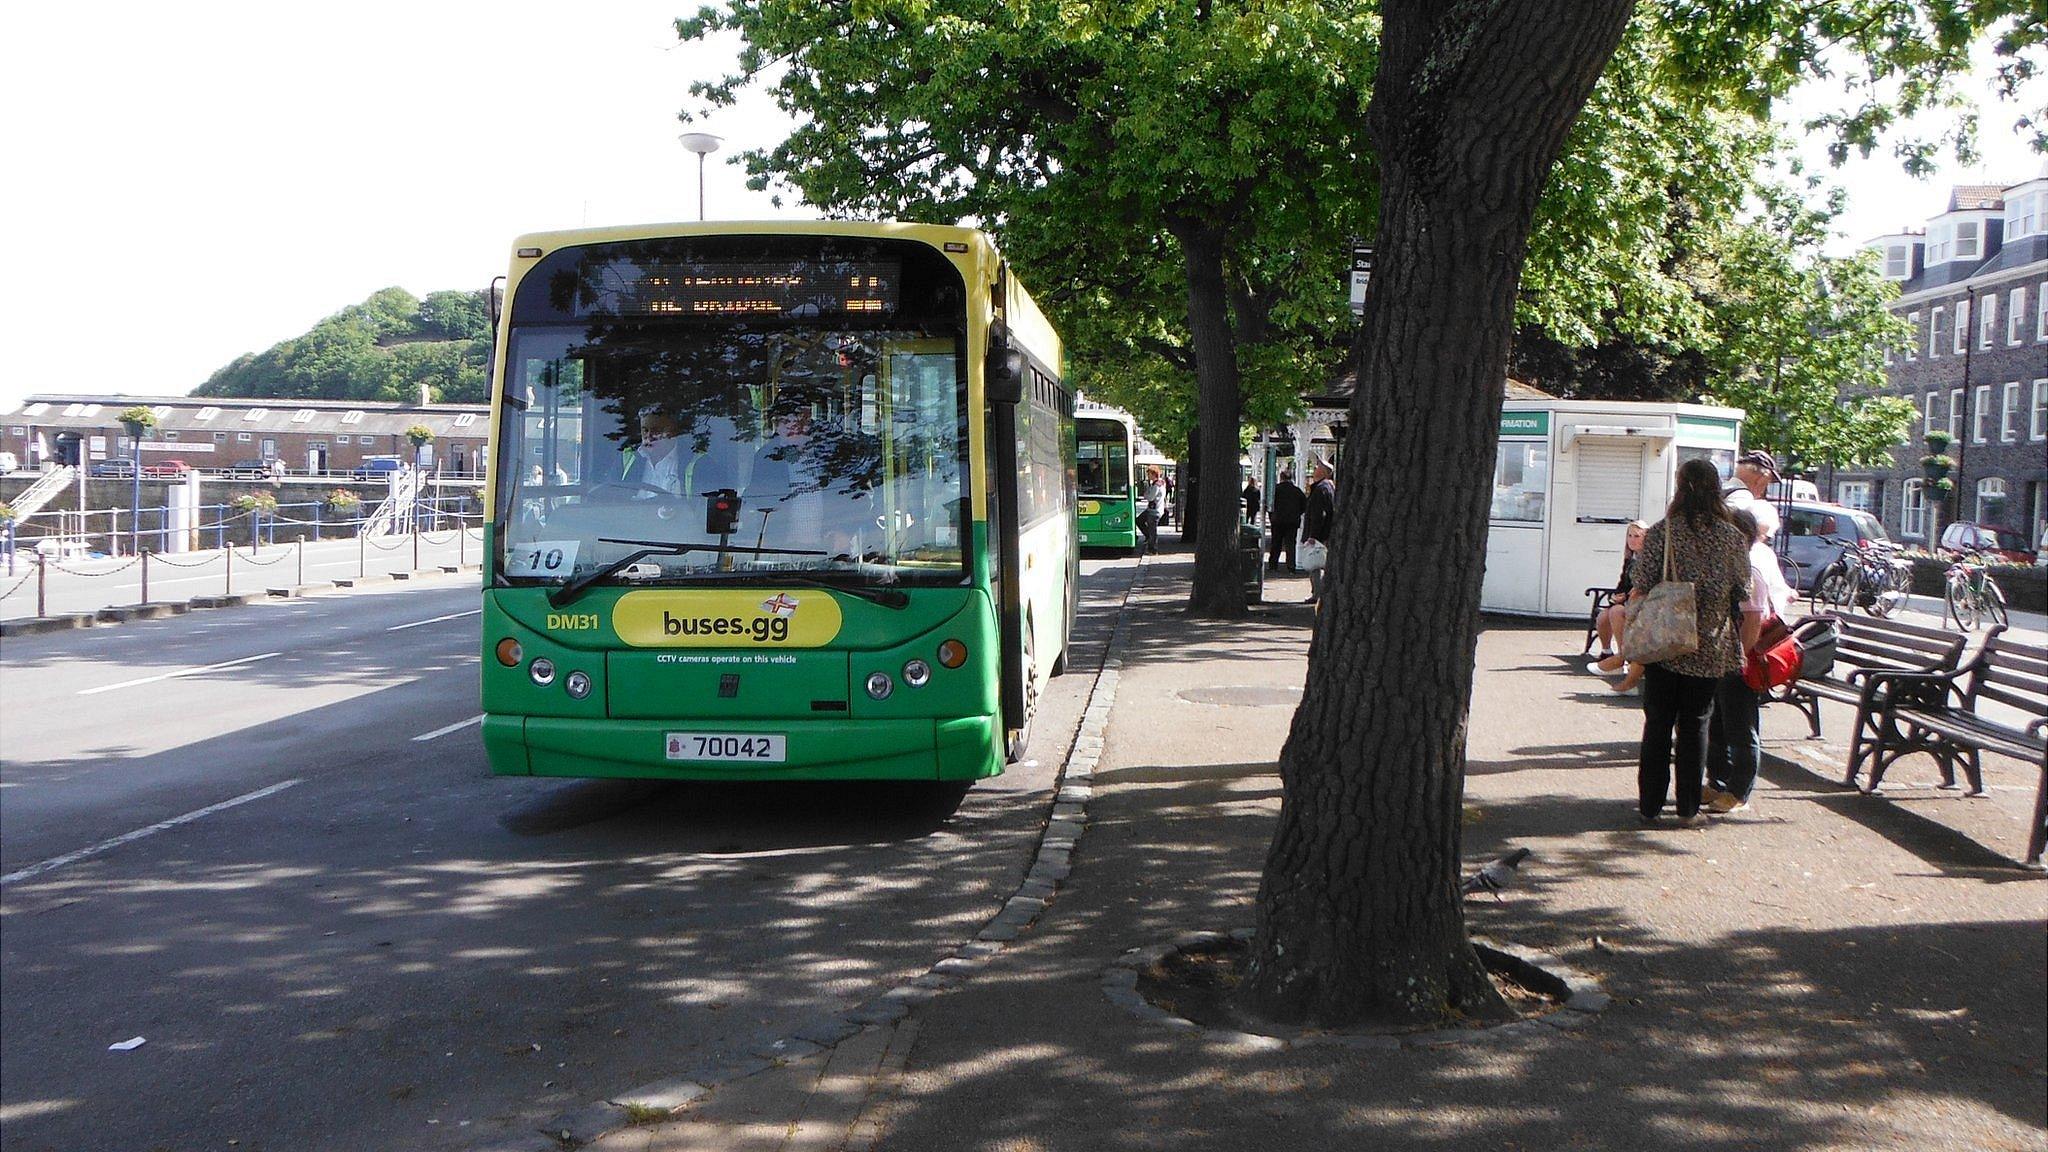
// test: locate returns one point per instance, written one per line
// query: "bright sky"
(193, 182)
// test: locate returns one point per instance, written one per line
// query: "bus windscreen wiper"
(575, 587)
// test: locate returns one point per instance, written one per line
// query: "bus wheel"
(1017, 740)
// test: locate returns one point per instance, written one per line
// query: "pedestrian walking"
(1289, 502)
(1697, 542)
(1734, 734)
(1320, 519)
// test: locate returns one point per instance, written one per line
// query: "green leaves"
(381, 349)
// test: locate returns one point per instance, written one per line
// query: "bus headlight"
(879, 685)
(509, 652)
(952, 654)
(917, 673)
(542, 670)
(577, 684)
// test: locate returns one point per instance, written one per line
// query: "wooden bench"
(1865, 645)
(1944, 714)
(1603, 599)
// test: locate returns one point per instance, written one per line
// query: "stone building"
(212, 434)
(1973, 284)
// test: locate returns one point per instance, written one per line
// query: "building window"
(1938, 246)
(2017, 308)
(73, 409)
(19, 430)
(1933, 406)
(465, 420)
(2020, 217)
(1898, 262)
(171, 435)
(219, 436)
(1913, 342)
(1983, 401)
(1934, 333)
(2009, 413)
(255, 413)
(1990, 500)
(2037, 427)
(341, 439)
(36, 409)
(1913, 509)
(1966, 238)
(2041, 310)
(1988, 326)
(1853, 494)
(1962, 343)
(206, 413)
(242, 437)
(352, 416)
(1955, 414)
(302, 415)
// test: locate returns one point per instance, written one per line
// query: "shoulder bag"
(1666, 623)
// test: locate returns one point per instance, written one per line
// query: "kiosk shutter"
(1610, 482)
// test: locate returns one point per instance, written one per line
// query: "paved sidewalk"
(1830, 971)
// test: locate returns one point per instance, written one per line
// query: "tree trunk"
(1218, 586)
(1359, 915)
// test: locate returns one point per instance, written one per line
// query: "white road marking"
(458, 726)
(435, 620)
(105, 845)
(178, 673)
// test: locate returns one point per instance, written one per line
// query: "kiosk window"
(1610, 482)
(1521, 476)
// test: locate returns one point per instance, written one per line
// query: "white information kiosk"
(1569, 477)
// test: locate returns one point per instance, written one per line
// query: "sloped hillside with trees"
(381, 349)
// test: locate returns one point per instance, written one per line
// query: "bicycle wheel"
(1962, 603)
(1831, 589)
(1994, 603)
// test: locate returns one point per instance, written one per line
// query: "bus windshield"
(767, 447)
(1105, 458)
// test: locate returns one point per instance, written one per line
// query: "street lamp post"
(135, 429)
(703, 144)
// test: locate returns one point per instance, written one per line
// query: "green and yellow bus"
(1108, 480)
(788, 500)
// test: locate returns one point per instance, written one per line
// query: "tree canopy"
(384, 348)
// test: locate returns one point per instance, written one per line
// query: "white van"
(1801, 490)
(8, 464)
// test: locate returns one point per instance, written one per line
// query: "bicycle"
(1971, 593)
(1867, 575)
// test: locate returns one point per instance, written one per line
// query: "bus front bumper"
(965, 748)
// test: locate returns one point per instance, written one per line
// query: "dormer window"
(1940, 245)
(255, 413)
(1898, 262)
(1967, 237)
(206, 413)
(2023, 215)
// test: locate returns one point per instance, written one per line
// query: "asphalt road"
(89, 585)
(265, 841)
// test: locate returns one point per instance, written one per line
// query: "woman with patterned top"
(1678, 694)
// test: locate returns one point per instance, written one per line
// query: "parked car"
(118, 469)
(8, 464)
(250, 469)
(2006, 544)
(171, 467)
(378, 467)
(1814, 533)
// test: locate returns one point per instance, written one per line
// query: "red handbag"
(1775, 660)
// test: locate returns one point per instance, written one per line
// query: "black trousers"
(1676, 708)
(1284, 540)
(1734, 748)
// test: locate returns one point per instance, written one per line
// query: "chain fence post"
(362, 553)
(42, 579)
(302, 560)
(145, 577)
(415, 540)
(227, 587)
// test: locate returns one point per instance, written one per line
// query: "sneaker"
(1696, 820)
(1597, 670)
(1709, 794)
(1723, 803)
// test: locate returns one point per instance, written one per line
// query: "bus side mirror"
(1002, 376)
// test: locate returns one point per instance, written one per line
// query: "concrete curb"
(1050, 867)
(38, 625)
(154, 610)
(234, 600)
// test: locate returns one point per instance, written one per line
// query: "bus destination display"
(759, 288)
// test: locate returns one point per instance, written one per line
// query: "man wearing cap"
(1754, 472)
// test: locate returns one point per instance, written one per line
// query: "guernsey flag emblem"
(781, 604)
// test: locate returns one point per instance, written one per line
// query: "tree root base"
(1189, 984)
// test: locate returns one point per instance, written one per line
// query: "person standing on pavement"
(1734, 734)
(1251, 498)
(1289, 502)
(1316, 525)
(1703, 547)
(1148, 516)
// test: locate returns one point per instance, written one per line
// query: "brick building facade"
(1973, 285)
(310, 437)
